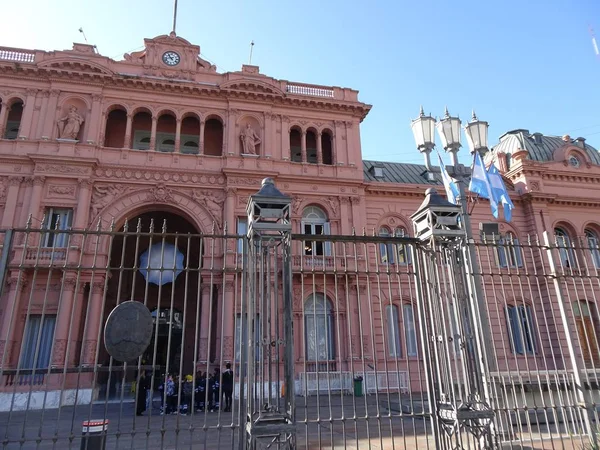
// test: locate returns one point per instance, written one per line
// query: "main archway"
(157, 261)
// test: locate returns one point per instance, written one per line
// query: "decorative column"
(319, 148)
(229, 209)
(78, 315)
(8, 217)
(36, 199)
(204, 351)
(127, 141)
(27, 117)
(84, 198)
(153, 133)
(345, 211)
(94, 318)
(63, 320)
(201, 138)
(284, 130)
(3, 114)
(28, 184)
(178, 135)
(42, 117)
(337, 142)
(50, 123)
(94, 121)
(357, 223)
(303, 146)
(10, 319)
(266, 137)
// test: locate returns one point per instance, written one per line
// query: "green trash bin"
(358, 387)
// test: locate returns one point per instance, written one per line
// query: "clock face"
(171, 58)
(574, 161)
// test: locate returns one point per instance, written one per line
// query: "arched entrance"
(157, 261)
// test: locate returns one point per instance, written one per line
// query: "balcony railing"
(313, 91)
(15, 55)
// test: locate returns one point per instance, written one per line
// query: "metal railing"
(368, 337)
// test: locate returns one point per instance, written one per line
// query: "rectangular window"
(57, 219)
(521, 330)
(37, 345)
(410, 332)
(393, 331)
(242, 229)
(509, 253)
(317, 248)
(239, 342)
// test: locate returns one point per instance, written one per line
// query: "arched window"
(13, 120)
(314, 222)
(410, 330)
(167, 145)
(585, 320)
(593, 245)
(296, 145)
(509, 251)
(565, 248)
(327, 148)
(190, 147)
(318, 329)
(391, 253)
(521, 329)
(393, 331)
(311, 147)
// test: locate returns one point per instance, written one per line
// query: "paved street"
(330, 424)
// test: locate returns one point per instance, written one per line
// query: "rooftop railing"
(16, 55)
(313, 91)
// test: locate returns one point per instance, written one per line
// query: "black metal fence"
(386, 335)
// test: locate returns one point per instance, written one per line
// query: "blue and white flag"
(499, 192)
(450, 185)
(480, 183)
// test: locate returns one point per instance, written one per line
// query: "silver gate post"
(442, 225)
(270, 419)
(584, 399)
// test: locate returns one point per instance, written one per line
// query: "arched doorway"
(157, 261)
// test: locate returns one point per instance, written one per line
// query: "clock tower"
(170, 53)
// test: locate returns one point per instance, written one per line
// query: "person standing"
(142, 389)
(227, 386)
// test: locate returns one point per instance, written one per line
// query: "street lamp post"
(449, 130)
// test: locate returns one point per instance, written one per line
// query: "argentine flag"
(452, 191)
(499, 192)
(480, 183)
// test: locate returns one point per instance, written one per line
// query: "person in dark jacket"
(142, 389)
(227, 386)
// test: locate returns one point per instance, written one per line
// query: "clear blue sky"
(521, 64)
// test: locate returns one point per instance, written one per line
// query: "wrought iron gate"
(334, 341)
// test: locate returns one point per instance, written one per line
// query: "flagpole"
(459, 172)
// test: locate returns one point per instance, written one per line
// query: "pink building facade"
(91, 143)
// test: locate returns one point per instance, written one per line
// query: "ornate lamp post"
(447, 229)
(269, 344)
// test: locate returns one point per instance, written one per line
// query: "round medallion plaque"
(128, 331)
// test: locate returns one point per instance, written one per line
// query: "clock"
(171, 58)
(574, 161)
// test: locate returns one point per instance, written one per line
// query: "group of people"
(203, 395)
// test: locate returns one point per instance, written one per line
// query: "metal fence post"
(583, 398)
(270, 419)
(462, 402)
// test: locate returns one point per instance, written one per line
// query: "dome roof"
(540, 147)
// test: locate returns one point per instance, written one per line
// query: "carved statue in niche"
(69, 126)
(249, 140)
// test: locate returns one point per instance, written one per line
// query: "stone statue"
(249, 140)
(69, 126)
